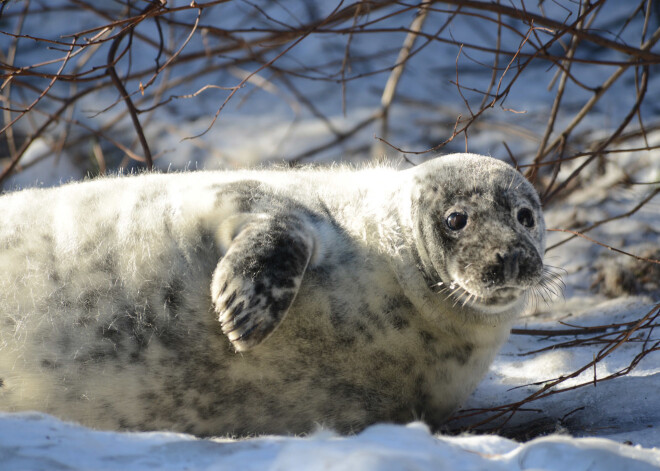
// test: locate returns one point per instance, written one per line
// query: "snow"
(33, 441)
(624, 409)
(612, 425)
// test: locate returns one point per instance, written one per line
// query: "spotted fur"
(263, 301)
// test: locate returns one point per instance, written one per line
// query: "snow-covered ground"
(609, 425)
(36, 442)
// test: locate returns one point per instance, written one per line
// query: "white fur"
(66, 339)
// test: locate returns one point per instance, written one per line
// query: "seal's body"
(263, 301)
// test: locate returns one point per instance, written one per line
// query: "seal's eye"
(525, 217)
(457, 220)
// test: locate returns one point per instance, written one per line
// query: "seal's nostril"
(514, 265)
(508, 265)
(494, 274)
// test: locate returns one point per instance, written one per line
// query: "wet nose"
(505, 268)
(510, 264)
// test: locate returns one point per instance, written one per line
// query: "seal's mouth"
(501, 296)
(464, 293)
(489, 286)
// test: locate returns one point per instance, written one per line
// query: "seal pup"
(258, 302)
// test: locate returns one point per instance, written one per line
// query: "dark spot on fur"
(97, 355)
(123, 423)
(254, 302)
(108, 264)
(49, 364)
(285, 283)
(54, 275)
(2, 382)
(167, 224)
(279, 306)
(393, 307)
(89, 300)
(128, 333)
(169, 338)
(149, 396)
(88, 247)
(12, 241)
(501, 198)
(374, 319)
(464, 353)
(364, 331)
(109, 332)
(173, 295)
(427, 337)
(460, 354)
(345, 340)
(206, 243)
(259, 288)
(399, 322)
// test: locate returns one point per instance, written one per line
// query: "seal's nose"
(505, 268)
(510, 264)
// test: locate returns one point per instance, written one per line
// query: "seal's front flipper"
(258, 278)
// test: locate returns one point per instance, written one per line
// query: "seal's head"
(479, 231)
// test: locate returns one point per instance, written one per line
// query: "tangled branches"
(610, 337)
(192, 59)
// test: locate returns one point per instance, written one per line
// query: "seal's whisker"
(542, 293)
(549, 285)
(557, 285)
(439, 288)
(535, 297)
(529, 298)
(538, 298)
(513, 179)
(553, 272)
(462, 292)
(551, 281)
(471, 299)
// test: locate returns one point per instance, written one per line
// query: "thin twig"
(122, 90)
(608, 247)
